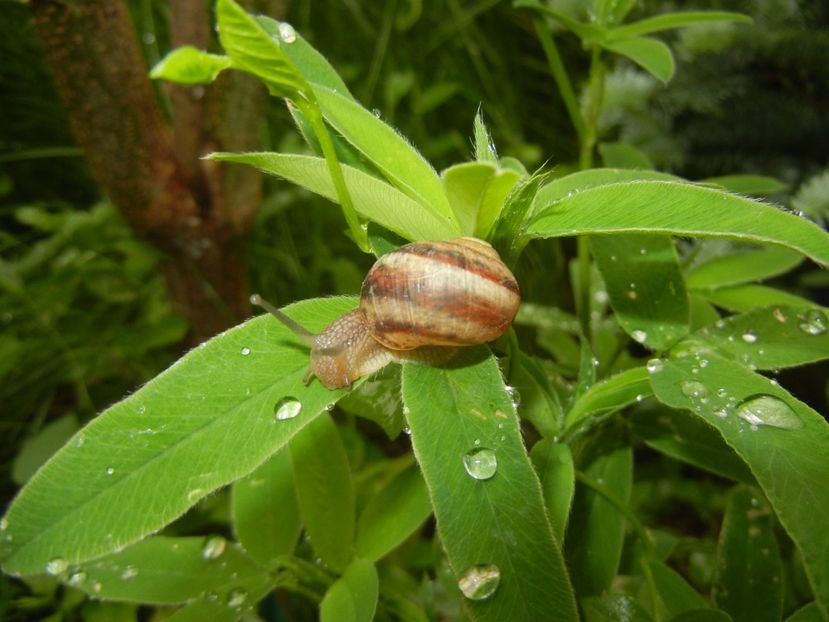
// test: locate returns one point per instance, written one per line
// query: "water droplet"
(287, 32)
(142, 409)
(406, 411)
(407, 430)
(287, 408)
(236, 598)
(480, 463)
(328, 407)
(722, 393)
(213, 547)
(613, 258)
(779, 315)
(639, 336)
(195, 494)
(79, 442)
(110, 470)
(129, 572)
(692, 388)
(601, 297)
(77, 578)
(97, 587)
(4, 523)
(514, 396)
(813, 322)
(768, 410)
(211, 597)
(703, 363)
(245, 351)
(721, 412)
(643, 251)
(632, 294)
(148, 38)
(655, 366)
(480, 582)
(749, 337)
(56, 566)
(639, 397)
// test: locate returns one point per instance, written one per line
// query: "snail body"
(424, 294)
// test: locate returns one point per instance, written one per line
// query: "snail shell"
(431, 293)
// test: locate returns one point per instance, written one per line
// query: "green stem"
(592, 108)
(312, 112)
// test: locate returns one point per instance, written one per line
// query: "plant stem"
(592, 108)
(312, 112)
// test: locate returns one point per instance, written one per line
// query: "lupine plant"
(523, 450)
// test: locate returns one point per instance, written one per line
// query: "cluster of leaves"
(666, 346)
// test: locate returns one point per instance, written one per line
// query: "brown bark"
(196, 211)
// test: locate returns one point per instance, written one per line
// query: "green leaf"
(679, 209)
(767, 338)
(499, 520)
(477, 192)
(807, 613)
(554, 464)
(392, 515)
(484, 147)
(650, 54)
(508, 235)
(610, 12)
(322, 477)
(392, 154)
(353, 597)
(743, 267)
(645, 287)
(702, 615)
(587, 32)
(782, 440)
(539, 402)
(189, 65)
(205, 422)
(749, 582)
(614, 608)
(597, 527)
(757, 185)
(253, 50)
(373, 198)
(686, 438)
(675, 595)
(677, 19)
(747, 297)
(264, 510)
(39, 448)
(162, 570)
(624, 155)
(610, 394)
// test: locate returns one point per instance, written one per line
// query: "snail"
(424, 294)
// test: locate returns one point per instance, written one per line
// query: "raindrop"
(130, 572)
(328, 407)
(749, 337)
(692, 388)
(514, 396)
(480, 463)
(639, 336)
(148, 38)
(406, 411)
(245, 351)
(56, 566)
(142, 409)
(110, 471)
(480, 582)
(813, 322)
(287, 408)
(655, 366)
(779, 315)
(213, 547)
(237, 597)
(632, 294)
(4, 523)
(721, 412)
(287, 32)
(722, 393)
(77, 578)
(768, 410)
(79, 442)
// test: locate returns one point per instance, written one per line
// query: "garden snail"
(431, 293)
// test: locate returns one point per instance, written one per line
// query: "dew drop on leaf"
(56, 566)
(760, 410)
(110, 470)
(749, 337)
(655, 366)
(130, 572)
(639, 335)
(287, 408)
(692, 388)
(4, 523)
(480, 582)
(480, 463)
(77, 578)
(237, 597)
(287, 32)
(813, 322)
(245, 351)
(213, 547)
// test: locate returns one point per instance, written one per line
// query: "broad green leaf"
(610, 394)
(650, 54)
(702, 311)
(189, 65)
(485, 494)
(782, 440)
(205, 422)
(645, 286)
(676, 19)
(352, 597)
(264, 510)
(614, 608)
(39, 448)
(746, 297)
(597, 527)
(477, 192)
(163, 570)
(743, 267)
(554, 464)
(236, 606)
(686, 438)
(624, 155)
(373, 198)
(507, 235)
(378, 399)
(757, 185)
(392, 154)
(749, 583)
(539, 404)
(253, 50)
(322, 477)
(679, 209)
(768, 337)
(392, 515)
(675, 595)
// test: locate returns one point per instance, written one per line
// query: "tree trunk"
(197, 212)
